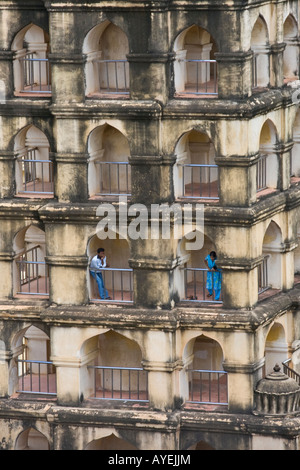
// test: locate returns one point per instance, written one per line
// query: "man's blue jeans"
(99, 279)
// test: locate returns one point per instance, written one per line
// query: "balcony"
(32, 272)
(195, 280)
(113, 76)
(35, 76)
(120, 383)
(119, 284)
(37, 174)
(36, 377)
(199, 181)
(208, 387)
(201, 78)
(114, 177)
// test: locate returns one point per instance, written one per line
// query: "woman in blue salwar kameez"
(214, 276)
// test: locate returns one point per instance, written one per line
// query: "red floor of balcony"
(205, 90)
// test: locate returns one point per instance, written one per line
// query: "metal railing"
(37, 174)
(263, 283)
(195, 285)
(261, 173)
(113, 76)
(120, 383)
(118, 282)
(205, 72)
(36, 74)
(290, 372)
(208, 387)
(36, 377)
(32, 273)
(115, 178)
(199, 181)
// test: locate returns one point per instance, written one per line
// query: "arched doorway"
(32, 439)
(30, 271)
(115, 372)
(34, 169)
(195, 69)
(32, 74)
(107, 69)
(260, 47)
(108, 168)
(195, 172)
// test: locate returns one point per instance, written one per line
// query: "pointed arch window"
(195, 69)
(32, 73)
(107, 70)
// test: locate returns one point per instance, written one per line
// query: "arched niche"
(31, 370)
(108, 168)
(207, 381)
(33, 169)
(260, 47)
(111, 442)
(32, 439)
(117, 276)
(114, 369)
(30, 271)
(276, 348)
(106, 71)
(195, 69)
(272, 253)
(268, 166)
(195, 173)
(291, 52)
(32, 74)
(191, 277)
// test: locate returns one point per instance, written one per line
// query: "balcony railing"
(208, 387)
(37, 377)
(115, 178)
(32, 274)
(263, 283)
(289, 371)
(37, 174)
(118, 282)
(205, 77)
(120, 383)
(195, 285)
(261, 173)
(36, 75)
(199, 181)
(113, 76)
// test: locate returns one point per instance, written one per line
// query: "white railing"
(205, 77)
(36, 74)
(115, 178)
(37, 377)
(119, 284)
(32, 273)
(37, 174)
(199, 181)
(113, 76)
(208, 387)
(120, 383)
(195, 285)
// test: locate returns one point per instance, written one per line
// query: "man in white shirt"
(98, 262)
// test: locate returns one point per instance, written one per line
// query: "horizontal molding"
(67, 261)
